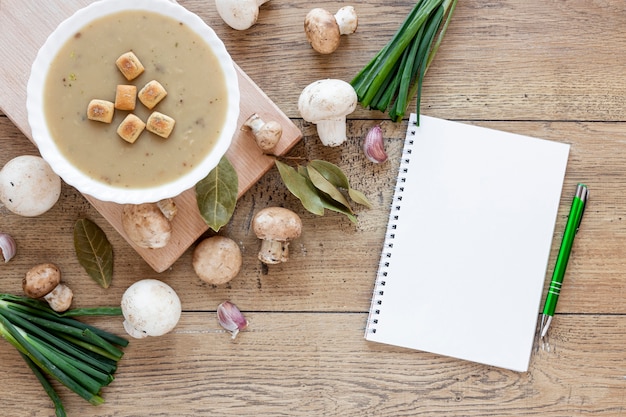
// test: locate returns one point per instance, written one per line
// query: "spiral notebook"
(467, 245)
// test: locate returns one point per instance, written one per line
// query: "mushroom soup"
(175, 56)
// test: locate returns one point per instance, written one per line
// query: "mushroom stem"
(332, 132)
(273, 251)
(346, 20)
(60, 298)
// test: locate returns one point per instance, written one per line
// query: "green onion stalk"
(394, 76)
(55, 345)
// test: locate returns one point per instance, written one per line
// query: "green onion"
(394, 76)
(80, 356)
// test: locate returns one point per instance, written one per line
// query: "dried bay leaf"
(331, 172)
(328, 202)
(336, 177)
(216, 194)
(359, 198)
(94, 252)
(332, 205)
(301, 187)
(322, 184)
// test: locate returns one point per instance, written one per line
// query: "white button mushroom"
(327, 103)
(323, 30)
(217, 260)
(239, 14)
(44, 281)
(276, 226)
(150, 308)
(28, 186)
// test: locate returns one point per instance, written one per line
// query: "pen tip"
(545, 323)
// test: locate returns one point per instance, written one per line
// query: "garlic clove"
(8, 247)
(230, 318)
(373, 145)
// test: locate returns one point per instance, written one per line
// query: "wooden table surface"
(550, 69)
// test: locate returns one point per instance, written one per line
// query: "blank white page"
(468, 253)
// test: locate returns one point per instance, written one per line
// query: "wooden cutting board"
(24, 27)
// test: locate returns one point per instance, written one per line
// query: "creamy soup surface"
(172, 54)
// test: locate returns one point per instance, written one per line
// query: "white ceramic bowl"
(47, 146)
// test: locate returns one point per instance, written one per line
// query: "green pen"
(573, 223)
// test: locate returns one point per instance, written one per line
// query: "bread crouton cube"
(125, 97)
(130, 128)
(129, 65)
(100, 111)
(151, 94)
(160, 124)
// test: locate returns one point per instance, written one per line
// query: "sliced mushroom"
(276, 227)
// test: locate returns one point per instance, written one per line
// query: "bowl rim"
(46, 144)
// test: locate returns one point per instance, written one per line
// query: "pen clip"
(582, 192)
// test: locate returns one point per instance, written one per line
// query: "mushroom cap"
(28, 186)
(322, 30)
(217, 260)
(41, 280)
(239, 14)
(268, 136)
(328, 99)
(146, 225)
(150, 308)
(277, 223)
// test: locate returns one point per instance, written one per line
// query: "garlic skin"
(373, 145)
(8, 247)
(230, 318)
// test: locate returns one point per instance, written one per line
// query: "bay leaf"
(301, 187)
(94, 251)
(216, 194)
(359, 198)
(336, 176)
(333, 205)
(331, 172)
(322, 184)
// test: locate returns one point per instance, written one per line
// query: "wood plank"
(301, 365)
(17, 51)
(550, 70)
(333, 264)
(506, 60)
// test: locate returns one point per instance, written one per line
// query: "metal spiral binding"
(394, 216)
